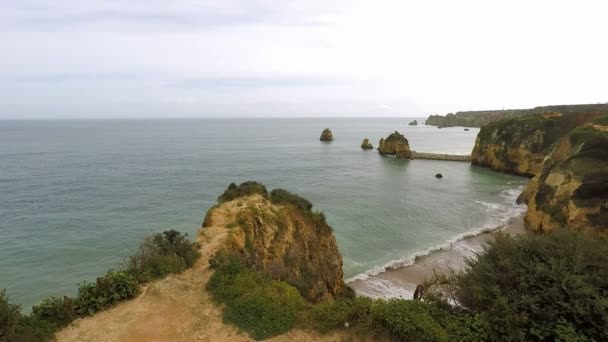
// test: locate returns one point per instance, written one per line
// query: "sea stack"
(395, 145)
(366, 145)
(413, 123)
(326, 135)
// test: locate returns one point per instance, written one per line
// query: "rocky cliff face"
(395, 145)
(482, 118)
(519, 146)
(572, 188)
(567, 156)
(280, 235)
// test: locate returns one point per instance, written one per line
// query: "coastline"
(400, 282)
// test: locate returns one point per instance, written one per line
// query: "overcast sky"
(188, 58)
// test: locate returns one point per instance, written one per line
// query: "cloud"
(296, 58)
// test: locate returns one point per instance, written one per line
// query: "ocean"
(76, 196)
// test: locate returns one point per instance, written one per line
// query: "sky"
(308, 58)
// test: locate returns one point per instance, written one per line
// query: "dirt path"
(177, 308)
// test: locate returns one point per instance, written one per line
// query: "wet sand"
(401, 282)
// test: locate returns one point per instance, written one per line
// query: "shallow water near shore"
(78, 195)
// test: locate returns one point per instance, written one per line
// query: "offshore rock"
(326, 135)
(395, 145)
(413, 123)
(366, 145)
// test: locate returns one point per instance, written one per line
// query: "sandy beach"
(401, 282)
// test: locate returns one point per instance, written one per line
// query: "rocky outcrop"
(413, 123)
(326, 135)
(280, 235)
(366, 145)
(395, 145)
(482, 118)
(572, 188)
(519, 146)
(566, 154)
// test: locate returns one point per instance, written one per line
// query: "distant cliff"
(482, 118)
(280, 235)
(519, 146)
(566, 153)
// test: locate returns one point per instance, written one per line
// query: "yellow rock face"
(567, 156)
(284, 242)
(395, 145)
(556, 198)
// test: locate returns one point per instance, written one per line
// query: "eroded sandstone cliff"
(519, 146)
(572, 188)
(566, 153)
(279, 234)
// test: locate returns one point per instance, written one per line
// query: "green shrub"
(256, 304)
(108, 290)
(245, 189)
(408, 320)
(403, 320)
(58, 311)
(540, 287)
(162, 254)
(10, 318)
(14, 326)
(334, 314)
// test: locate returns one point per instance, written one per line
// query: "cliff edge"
(572, 188)
(277, 233)
(280, 235)
(566, 154)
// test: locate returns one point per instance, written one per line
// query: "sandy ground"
(401, 282)
(177, 308)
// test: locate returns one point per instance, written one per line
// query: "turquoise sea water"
(78, 195)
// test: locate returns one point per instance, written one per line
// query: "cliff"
(572, 188)
(566, 153)
(482, 118)
(250, 223)
(519, 146)
(278, 234)
(395, 145)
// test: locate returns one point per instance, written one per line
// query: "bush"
(403, 320)
(256, 304)
(10, 318)
(540, 287)
(108, 290)
(58, 311)
(14, 326)
(245, 189)
(408, 320)
(162, 254)
(333, 314)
